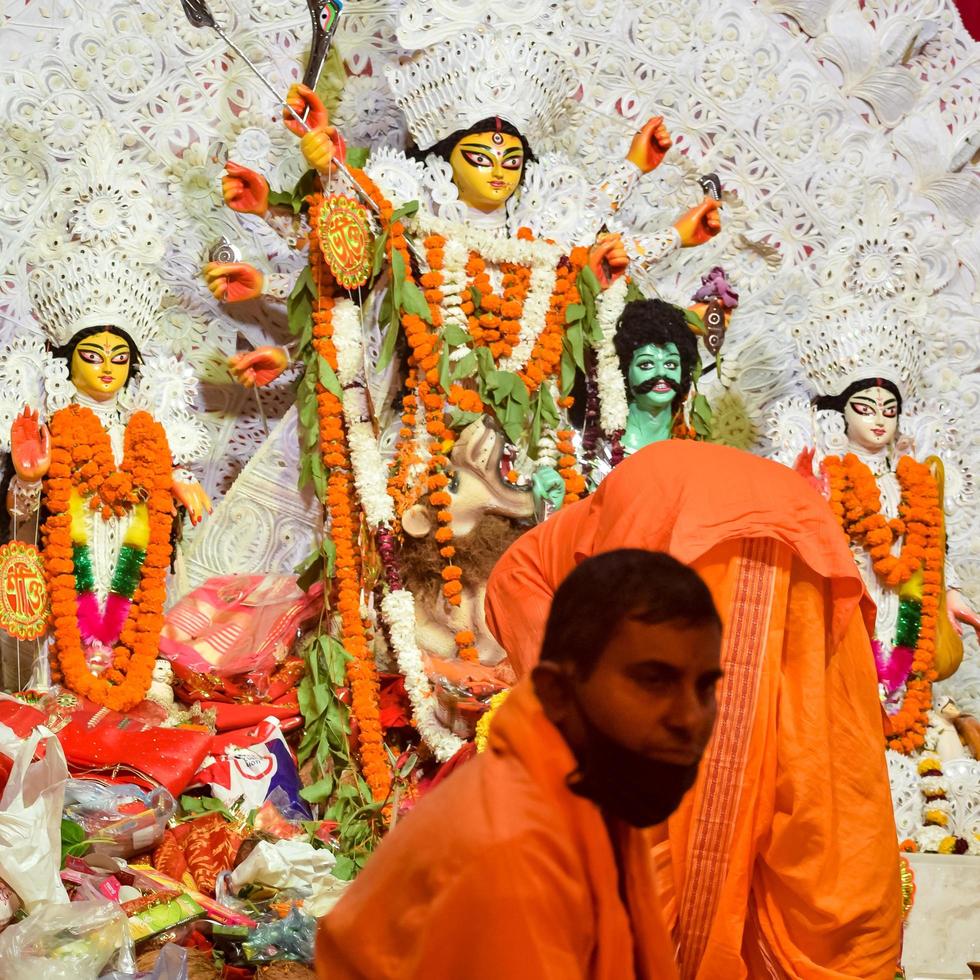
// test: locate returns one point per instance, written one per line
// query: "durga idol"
(92, 458)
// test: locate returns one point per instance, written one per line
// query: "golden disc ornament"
(23, 591)
(345, 240)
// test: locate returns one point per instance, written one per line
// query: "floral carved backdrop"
(845, 135)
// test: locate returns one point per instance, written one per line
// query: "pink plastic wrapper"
(237, 624)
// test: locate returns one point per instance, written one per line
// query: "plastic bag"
(171, 965)
(30, 823)
(247, 766)
(67, 942)
(294, 866)
(291, 938)
(122, 819)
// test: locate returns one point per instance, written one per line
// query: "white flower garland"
(548, 441)
(533, 317)
(453, 284)
(348, 340)
(370, 474)
(398, 608)
(540, 257)
(491, 247)
(613, 401)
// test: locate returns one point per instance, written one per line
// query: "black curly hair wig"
(652, 321)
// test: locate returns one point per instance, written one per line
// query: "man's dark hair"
(838, 403)
(652, 321)
(617, 585)
(444, 148)
(66, 351)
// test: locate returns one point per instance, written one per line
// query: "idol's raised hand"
(30, 446)
(233, 282)
(650, 145)
(259, 367)
(306, 104)
(244, 190)
(700, 224)
(960, 611)
(608, 259)
(194, 497)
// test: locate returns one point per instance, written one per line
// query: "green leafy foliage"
(199, 805)
(701, 416)
(73, 840)
(506, 394)
(544, 415)
(295, 199)
(389, 323)
(337, 786)
(633, 292)
(317, 565)
(299, 307)
(581, 329)
(357, 156)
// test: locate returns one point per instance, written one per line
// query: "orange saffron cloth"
(782, 861)
(501, 871)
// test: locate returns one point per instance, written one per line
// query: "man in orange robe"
(529, 862)
(782, 861)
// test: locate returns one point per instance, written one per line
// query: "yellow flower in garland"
(483, 725)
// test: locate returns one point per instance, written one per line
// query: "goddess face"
(487, 168)
(871, 417)
(655, 375)
(100, 365)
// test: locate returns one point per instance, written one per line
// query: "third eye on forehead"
(888, 402)
(493, 150)
(104, 348)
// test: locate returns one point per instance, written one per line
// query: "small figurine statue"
(161, 686)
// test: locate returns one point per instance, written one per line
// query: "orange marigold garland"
(499, 324)
(82, 460)
(856, 501)
(345, 529)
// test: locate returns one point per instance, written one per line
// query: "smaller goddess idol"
(95, 457)
(890, 505)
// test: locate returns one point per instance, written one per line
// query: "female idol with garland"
(508, 224)
(100, 468)
(891, 507)
(480, 280)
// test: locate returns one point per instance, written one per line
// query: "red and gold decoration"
(344, 236)
(23, 593)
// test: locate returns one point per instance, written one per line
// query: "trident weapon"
(325, 15)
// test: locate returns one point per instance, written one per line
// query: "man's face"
(655, 375)
(653, 690)
(487, 168)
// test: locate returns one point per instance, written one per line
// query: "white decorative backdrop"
(845, 135)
